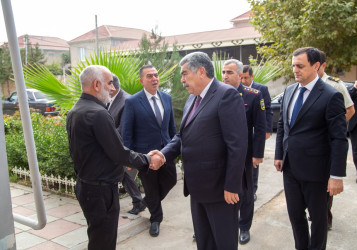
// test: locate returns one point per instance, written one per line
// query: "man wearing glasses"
(148, 124)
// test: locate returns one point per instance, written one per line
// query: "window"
(82, 54)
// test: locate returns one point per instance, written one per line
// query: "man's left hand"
(335, 186)
(231, 198)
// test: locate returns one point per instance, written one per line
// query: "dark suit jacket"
(267, 101)
(353, 121)
(117, 107)
(140, 129)
(316, 144)
(213, 144)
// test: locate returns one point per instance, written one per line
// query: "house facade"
(109, 37)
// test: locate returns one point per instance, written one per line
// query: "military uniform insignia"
(250, 90)
(335, 79)
(262, 105)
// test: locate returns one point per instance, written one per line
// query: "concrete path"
(66, 226)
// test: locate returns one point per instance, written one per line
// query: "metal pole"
(7, 231)
(26, 120)
(96, 37)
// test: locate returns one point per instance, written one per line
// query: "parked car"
(36, 99)
(276, 102)
(275, 106)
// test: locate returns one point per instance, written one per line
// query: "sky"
(68, 19)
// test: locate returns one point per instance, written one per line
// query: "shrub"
(51, 142)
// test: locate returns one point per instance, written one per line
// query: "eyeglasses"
(150, 76)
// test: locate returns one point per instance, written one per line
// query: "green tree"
(34, 55)
(5, 65)
(55, 69)
(329, 25)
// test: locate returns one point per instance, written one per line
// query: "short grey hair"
(92, 73)
(238, 63)
(116, 82)
(195, 60)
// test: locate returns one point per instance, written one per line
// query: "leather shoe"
(244, 237)
(154, 229)
(137, 209)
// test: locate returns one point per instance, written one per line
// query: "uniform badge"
(262, 105)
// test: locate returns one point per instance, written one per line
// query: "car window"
(13, 97)
(39, 95)
(30, 96)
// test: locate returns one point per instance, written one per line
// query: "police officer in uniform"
(256, 121)
(350, 110)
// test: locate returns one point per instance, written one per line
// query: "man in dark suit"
(247, 80)
(311, 148)
(99, 155)
(148, 124)
(116, 108)
(256, 121)
(352, 128)
(213, 144)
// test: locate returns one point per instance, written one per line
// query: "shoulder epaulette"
(250, 90)
(335, 79)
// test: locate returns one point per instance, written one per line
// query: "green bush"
(51, 144)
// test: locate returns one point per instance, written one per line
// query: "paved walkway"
(66, 226)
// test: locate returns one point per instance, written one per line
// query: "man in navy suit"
(148, 124)
(255, 114)
(116, 108)
(213, 142)
(352, 124)
(311, 148)
(247, 80)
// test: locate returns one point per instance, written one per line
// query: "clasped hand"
(157, 159)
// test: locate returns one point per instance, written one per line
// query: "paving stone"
(55, 229)
(65, 210)
(72, 239)
(26, 240)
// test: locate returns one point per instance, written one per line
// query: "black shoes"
(137, 209)
(244, 237)
(154, 229)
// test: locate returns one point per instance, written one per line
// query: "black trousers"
(255, 178)
(246, 205)
(132, 188)
(157, 185)
(311, 195)
(353, 137)
(215, 225)
(100, 205)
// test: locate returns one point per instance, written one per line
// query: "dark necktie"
(157, 111)
(297, 106)
(195, 106)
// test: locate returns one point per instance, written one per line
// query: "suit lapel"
(205, 100)
(311, 99)
(145, 103)
(187, 109)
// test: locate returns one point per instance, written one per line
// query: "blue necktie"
(157, 111)
(297, 106)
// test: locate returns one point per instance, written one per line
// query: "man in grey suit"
(116, 107)
(311, 148)
(213, 141)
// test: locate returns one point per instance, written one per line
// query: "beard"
(103, 95)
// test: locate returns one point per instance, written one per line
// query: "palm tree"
(123, 64)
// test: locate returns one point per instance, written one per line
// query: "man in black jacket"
(99, 156)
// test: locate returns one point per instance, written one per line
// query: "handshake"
(157, 159)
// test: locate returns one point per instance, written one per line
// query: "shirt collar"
(204, 91)
(149, 96)
(311, 84)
